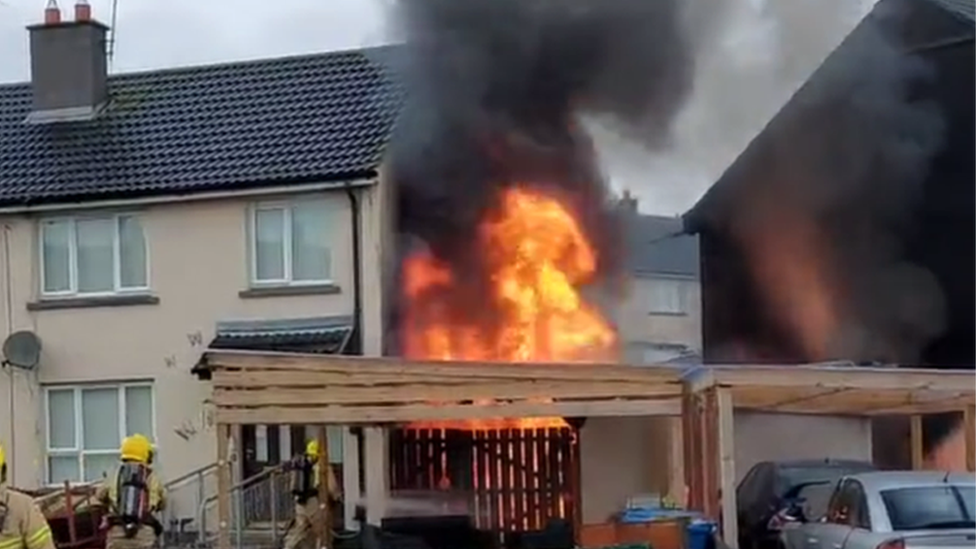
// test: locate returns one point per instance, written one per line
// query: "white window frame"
(677, 283)
(72, 290)
(286, 207)
(78, 450)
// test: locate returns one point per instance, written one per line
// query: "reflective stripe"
(39, 538)
(14, 543)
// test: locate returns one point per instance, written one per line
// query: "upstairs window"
(290, 243)
(93, 256)
(666, 297)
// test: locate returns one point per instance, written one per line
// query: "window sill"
(283, 291)
(663, 313)
(82, 302)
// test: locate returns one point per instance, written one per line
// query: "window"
(666, 296)
(930, 507)
(85, 426)
(290, 243)
(97, 255)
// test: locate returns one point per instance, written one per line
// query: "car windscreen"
(930, 507)
(791, 476)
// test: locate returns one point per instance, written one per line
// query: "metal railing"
(261, 498)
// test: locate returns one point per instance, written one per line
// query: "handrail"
(253, 479)
(192, 474)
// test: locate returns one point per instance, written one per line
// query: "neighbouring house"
(660, 320)
(145, 217)
(762, 202)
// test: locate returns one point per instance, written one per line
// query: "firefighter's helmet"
(3, 465)
(135, 448)
(312, 449)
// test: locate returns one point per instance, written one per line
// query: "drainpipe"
(9, 319)
(356, 339)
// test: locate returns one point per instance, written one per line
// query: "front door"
(262, 448)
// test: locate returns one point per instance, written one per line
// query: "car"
(759, 495)
(893, 510)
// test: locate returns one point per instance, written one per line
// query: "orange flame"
(538, 258)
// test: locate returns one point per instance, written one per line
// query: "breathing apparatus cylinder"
(302, 485)
(133, 496)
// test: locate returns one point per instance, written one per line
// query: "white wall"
(770, 437)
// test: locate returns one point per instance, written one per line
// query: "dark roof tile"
(231, 126)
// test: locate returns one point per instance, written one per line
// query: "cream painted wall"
(198, 264)
(637, 324)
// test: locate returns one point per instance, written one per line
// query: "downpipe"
(356, 339)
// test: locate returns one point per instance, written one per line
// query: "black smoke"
(494, 90)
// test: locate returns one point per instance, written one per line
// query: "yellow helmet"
(312, 448)
(143, 439)
(135, 448)
(3, 465)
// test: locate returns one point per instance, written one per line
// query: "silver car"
(893, 510)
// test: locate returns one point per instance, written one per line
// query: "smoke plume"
(494, 91)
(842, 174)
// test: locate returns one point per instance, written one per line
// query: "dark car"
(760, 493)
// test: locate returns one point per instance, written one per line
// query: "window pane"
(95, 255)
(132, 253)
(62, 468)
(56, 242)
(269, 234)
(61, 418)
(99, 466)
(100, 419)
(309, 242)
(138, 411)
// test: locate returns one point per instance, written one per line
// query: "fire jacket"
(22, 525)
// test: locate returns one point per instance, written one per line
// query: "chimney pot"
(82, 10)
(52, 13)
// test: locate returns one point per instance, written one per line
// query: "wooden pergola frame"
(287, 388)
(712, 394)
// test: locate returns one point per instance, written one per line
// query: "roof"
(313, 118)
(883, 480)
(725, 198)
(657, 247)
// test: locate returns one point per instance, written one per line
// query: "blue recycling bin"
(700, 534)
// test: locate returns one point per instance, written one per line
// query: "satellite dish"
(22, 349)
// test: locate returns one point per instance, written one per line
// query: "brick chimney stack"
(52, 13)
(82, 11)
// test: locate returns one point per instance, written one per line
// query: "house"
(661, 319)
(797, 151)
(146, 217)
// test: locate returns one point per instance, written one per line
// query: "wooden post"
(375, 462)
(676, 460)
(726, 454)
(350, 477)
(691, 435)
(223, 486)
(323, 535)
(969, 424)
(915, 440)
(710, 455)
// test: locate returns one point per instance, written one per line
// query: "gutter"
(188, 197)
(356, 338)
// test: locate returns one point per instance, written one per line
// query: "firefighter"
(22, 525)
(131, 495)
(304, 486)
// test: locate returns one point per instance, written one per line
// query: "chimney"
(69, 70)
(628, 202)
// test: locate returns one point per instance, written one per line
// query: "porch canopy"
(714, 393)
(290, 388)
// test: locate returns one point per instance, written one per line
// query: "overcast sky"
(757, 58)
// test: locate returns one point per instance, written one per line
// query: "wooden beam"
(350, 477)
(251, 360)
(710, 455)
(375, 461)
(726, 451)
(969, 424)
(223, 486)
(834, 377)
(323, 527)
(691, 436)
(427, 392)
(915, 442)
(346, 415)
(676, 460)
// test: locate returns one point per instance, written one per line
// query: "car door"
(860, 520)
(834, 527)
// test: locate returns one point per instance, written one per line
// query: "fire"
(538, 258)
